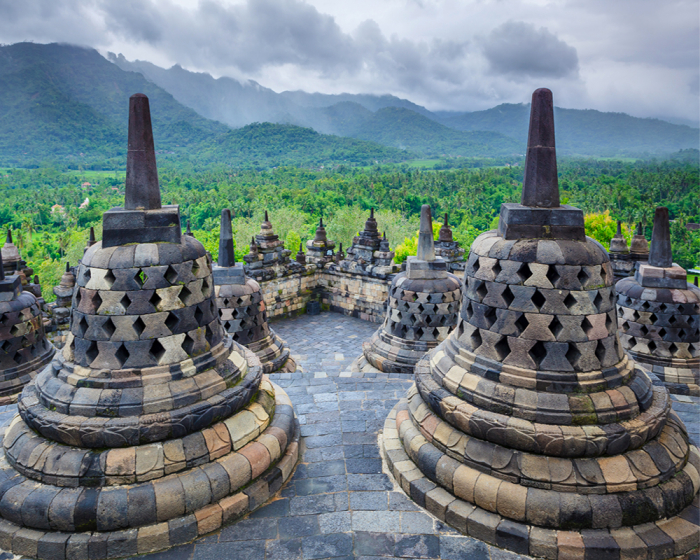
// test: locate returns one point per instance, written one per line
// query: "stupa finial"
(660, 250)
(226, 255)
(67, 266)
(267, 219)
(540, 183)
(8, 239)
(91, 238)
(188, 231)
(446, 223)
(142, 189)
(426, 244)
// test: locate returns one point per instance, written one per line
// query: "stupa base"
(663, 539)
(391, 354)
(680, 377)
(273, 354)
(15, 379)
(271, 457)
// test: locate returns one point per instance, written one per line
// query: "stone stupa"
(151, 427)
(422, 310)
(659, 312)
(447, 248)
(529, 428)
(24, 350)
(12, 262)
(319, 250)
(619, 253)
(242, 307)
(369, 253)
(267, 257)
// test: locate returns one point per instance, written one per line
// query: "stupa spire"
(426, 243)
(142, 190)
(540, 183)
(226, 254)
(660, 250)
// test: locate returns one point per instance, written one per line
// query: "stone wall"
(351, 294)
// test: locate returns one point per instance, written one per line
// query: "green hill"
(582, 132)
(67, 103)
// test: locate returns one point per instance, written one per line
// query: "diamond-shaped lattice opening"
(632, 342)
(185, 295)
(476, 266)
(644, 329)
(635, 315)
(14, 330)
(87, 275)
(600, 351)
(92, 352)
(662, 307)
(582, 276)
(141, 278)
(608, 323)
(157, 351)
(436, 334)
(522, 323)
(476, 339)
(481, 291)
(586, 326)
(598, 301)
(155, 300)
(538, 353)
(19, 358)
(206, 288)
(188, 345)
(96, 301)
(109, 327)
(414, 297)
(82, 327)
(195, 268)
(490, 316)
(573, 354)
(496, 269)
(5, 345)
(110, 278)
(139, 326)
(620, 312)
(671, 320)
(209, 336)
(651, 346)
(603, 275)
(78, 296)
(653, 318)
(125, 302)
(460, 328)
(662, 332)
(553, 275)
(524, 272)
(419, 332)
(198, 315)
(171, 322)
(645, 305)
(420, 308)
(672, 348)
(122, 355)
(538, 299)
(508, 296)
(502, 348)
(556, 327)
(171, 275)
(443, 319)
(469, 311)
(681, 334)
(226, 302)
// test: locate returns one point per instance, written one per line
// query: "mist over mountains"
(399, 123)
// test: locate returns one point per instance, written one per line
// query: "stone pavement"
(340, 503)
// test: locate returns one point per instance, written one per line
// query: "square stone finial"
(660, 250)
(426, 243)
(227, 256)
(143, 219)
(540, 214)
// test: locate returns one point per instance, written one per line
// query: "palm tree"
(28, 226)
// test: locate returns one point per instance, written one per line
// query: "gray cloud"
(520, 49)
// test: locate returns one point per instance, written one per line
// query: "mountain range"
(68, 103)
(399, 123)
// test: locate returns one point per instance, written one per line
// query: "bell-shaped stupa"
(24, 350)
(529, 427)
(369, 253)
(422, 310)
(659, 314)
(319, 250)
(447, 248)
(267, 258)
(242, 307)
(152, 426)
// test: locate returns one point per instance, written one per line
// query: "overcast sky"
(636, 56)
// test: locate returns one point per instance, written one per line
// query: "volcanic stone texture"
(660, 329)
(244, 316)
(24, 349)
(530, 429)
(421, 313)
(152, 426)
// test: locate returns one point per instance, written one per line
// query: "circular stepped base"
(361, 365)
(664, 539)
(265, 480)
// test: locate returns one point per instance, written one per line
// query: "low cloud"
(520, 49)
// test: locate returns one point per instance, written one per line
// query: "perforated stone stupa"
(242, 307)
(152, 426)
(529, 427)
(659, 314)
(24, 350)
(422, 310)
